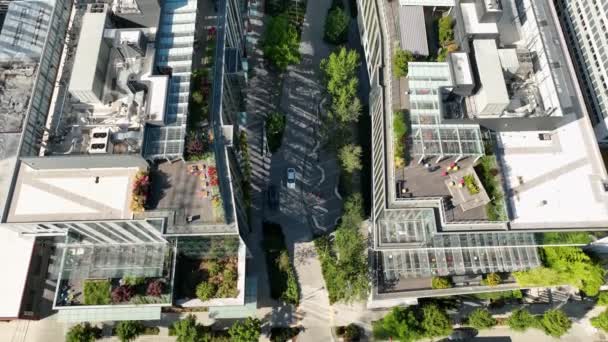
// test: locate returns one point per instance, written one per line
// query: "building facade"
(585, 27)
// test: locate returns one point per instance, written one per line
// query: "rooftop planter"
(116, 291)
(140, 191)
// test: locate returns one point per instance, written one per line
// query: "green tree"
(281, 42)
(336, 26)
(441, 283)
(350, 157)
(565, 265)
(246, 331)
(186, 330)
(481, 319)
(555, 322)
(435, 321)
(602, 298)
(275, 126)
(205, 291)
(446, 33)
(344, 261)
(521, 320)
(340, 74)
(129, 330)
(83, 332)
(400, 61)
(492, 279)
(401, 324)
(601, 321)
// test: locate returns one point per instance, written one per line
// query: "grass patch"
(97, 292)
(488, 175)
(399, 139)
(283, 282)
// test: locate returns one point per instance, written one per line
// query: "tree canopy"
(481, 319)
(186, 330)
(601, 321)
(521, 320)
(555, 322)
(400, 60)
(83, 332)
(281, 42)
(336, 25)
(565, 265)
(340, 74)
(129, 330)
(344, 261)
(413, 323)
(350, 157)
(246, 331)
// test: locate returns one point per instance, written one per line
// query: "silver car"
(291, 178)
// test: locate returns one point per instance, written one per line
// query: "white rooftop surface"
(72, 194)
(16, 254)
(89, 44)
(471, 21)
(157, 96)
(461, 68)
(430, 3)
(553, 183)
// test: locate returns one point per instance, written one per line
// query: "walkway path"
(297, 94)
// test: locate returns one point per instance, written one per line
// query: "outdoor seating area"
(445, 179)
(465, 188)
(189, 188)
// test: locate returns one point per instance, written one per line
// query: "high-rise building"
(482, 153)
(101, 203)
(584, 23)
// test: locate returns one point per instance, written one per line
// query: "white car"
(291, 178)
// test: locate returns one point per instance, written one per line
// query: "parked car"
(291, 178)
(273, 197)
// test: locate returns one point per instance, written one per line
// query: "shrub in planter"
(132, 280)
(492, 279)
(122, 294)
(440, 283)
(96, 292)
(205, 291)
(155, 288)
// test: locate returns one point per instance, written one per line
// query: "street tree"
(350, 157)
(246, 331)
(281, 42)
(555, 322)
(336, 26)
(83, 332)
(435, 321)
(481, 319)
(129, 330)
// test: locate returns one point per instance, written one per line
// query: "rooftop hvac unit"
(100, 141)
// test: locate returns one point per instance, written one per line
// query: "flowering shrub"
(122, 293)
(212, 172)
(141, 189)
(155, 288)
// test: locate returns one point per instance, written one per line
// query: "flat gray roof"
(89, 44)
(412, 30)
